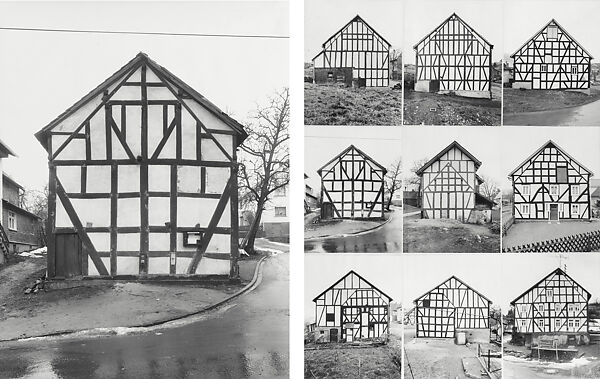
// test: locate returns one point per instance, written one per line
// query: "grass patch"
(519, 101)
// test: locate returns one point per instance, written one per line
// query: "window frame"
(555, 187)
(12, 221)
(277, 213)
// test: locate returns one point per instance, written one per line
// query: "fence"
(507, 222)
(584, 242)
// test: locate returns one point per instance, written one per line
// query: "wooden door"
(68, 255)
(554, 212)
(333, 335)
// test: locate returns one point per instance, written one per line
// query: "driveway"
(583, 115)
(247, 338)
(386, 239)
(523, 232)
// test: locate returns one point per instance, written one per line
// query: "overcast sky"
(45, 73)
(426, 141)
(579, 142)
(384, 271)
(499, 277)
(324, 18)
(527, 17)
(421, 17)
(322, 143)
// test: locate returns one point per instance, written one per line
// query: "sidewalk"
(332, 228)
(100, 304)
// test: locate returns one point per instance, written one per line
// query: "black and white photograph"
(352, 62)
(549, 71)
(451, 190)
(550, 197)
(353, 179)
(551, 315)
(352, 316)
(144, 175)
(453, 327)
(452, 62)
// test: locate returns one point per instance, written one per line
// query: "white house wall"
(74, 170)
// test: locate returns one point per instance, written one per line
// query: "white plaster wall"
(128, 212)
(206, 266)
(128, 178)
(160, 241)
(188, 133)
(155, 126)
(128, 266)
(128, 241)
(70, 177)
(159, 178)
(210, 150)
(127, 93)
(97, 137)
(188, 179)
(92, 271)
(75, 149)
(159, 93)
(159, 211)
(74, 120)
(207, 118)
(98, 179)
(134, 129)
(94, 211)
(216, 179)
(219, 243)
(159, 265)
(101, 241)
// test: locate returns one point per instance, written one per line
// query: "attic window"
(574, 69)
(426, 303)
(552, 32)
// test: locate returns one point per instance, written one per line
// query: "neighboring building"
(142, 180)
(310, 200)
(275, 217)
(355, 53)
(5, 152)
(23, 228)
(409, 317)
(450, 187)
(351, 309)
(551, 185)
(453, 307)
(454, 58)
(556, 305)
(352, 186)
(552, 59)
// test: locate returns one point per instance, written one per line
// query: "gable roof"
(467, 26)
(444, 151)
(358, 19)
(458, 280)
(344, 277)
(550, 143)
(360, 152)
(596, 192)
(558, 271)
(553, 21)
(6, 177)
(141, 58)
(5, 151)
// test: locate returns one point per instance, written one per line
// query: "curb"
(349, 234)
(246, 288)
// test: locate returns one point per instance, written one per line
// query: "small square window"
(280, 212)
(553, 189)
(574, 190)
(526, 190)
(330, 317)
(544, 68)
(552, 32)
(574, 69)
(574, 209)
(426, 303)
(525, 209)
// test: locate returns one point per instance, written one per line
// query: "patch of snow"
(37, 253)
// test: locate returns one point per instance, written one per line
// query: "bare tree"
(393, 181)
(416, 166)
(489, 188)
(264, 164)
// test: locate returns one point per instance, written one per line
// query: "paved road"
(386, 239)
(246, 338)
(584, 115)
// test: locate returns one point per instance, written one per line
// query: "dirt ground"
(448, 236)
(331, 105)
(523, 232)
(422, 108)
(519, 101)
(339, 361)
(340, 227)
(98, 304)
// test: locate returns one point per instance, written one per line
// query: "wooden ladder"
(4, 242)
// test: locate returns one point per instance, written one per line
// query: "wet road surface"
(386, 239)
(584, 115)
(246, 338)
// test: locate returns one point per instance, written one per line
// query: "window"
(557, 307)
(544, 68)
(576, 321)
(561, 174)
(574, 209)
(553, 189)
(549, 294)
(280, 212)
(525, 209)
(523, 323)
(574, 190)
(540, 307)
(426, 303)
(548, 59)
(540, 322)
(570, 323)
(280, 192)
(12, 220)
(552, 32)
(526, 190)
(575, 307)
(570, 307)
(574, 69)
(557, 323)
(330, 317)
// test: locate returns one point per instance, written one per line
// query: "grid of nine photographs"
(451, 215)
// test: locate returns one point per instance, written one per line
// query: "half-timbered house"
(450, 187)
(351, 309)
(454, 58)
(556, 305)
(5, 152)
(552, 59)
(352, 186)
(355, 52)
(551, 185)
(142, 180)
(451, 307)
